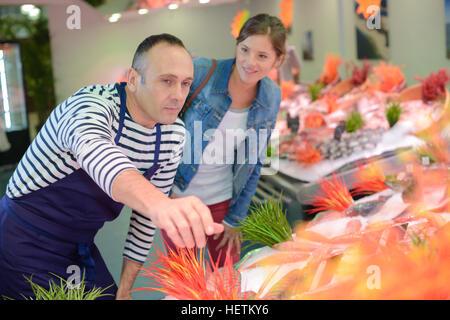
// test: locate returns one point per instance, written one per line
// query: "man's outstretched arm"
(186, 221)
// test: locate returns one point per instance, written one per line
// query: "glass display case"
(14, 133)
(13, 112)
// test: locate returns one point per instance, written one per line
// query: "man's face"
(161, 88)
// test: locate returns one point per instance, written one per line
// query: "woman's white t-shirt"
(213, 182)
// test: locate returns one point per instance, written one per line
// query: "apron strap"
(123, 107)
(151, 171)
(157, 144)
(88, 261)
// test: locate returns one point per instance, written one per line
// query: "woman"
(229, 122)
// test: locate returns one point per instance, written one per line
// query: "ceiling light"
(173, 6)
(143, 11)
(34, 13)
(30, 10)
(26, 8)
(203, 1)
(114, 17)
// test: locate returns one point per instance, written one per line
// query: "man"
(290, 68)
(102, 148)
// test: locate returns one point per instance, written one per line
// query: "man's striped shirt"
(80, 133)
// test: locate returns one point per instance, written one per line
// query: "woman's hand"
(232, 236)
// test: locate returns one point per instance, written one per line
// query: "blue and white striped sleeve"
(86, 130)
(139, 238)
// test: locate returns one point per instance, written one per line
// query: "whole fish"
(366, 208)
(406, 185)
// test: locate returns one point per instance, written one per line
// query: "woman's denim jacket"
(203, 117)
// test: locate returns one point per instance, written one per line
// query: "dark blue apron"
(50, 229)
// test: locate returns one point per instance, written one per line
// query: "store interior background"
(101, 51)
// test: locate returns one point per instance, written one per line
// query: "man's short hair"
(139, 63)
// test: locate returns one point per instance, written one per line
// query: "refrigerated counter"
(295, 194)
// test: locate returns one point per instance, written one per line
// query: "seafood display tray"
(301, 190)
(395, 139)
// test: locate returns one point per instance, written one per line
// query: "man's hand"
(232, 236)
(186, 221)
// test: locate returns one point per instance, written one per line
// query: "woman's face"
(255, 57)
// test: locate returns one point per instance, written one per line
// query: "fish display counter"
(343, 125)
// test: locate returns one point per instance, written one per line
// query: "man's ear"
(132, 79)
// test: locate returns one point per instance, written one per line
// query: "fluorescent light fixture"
(203, 1)
(4, 91)
(34, 13)
(173, 6)
(114, 17)
(25, 8)
(143, 11)
(30, 10)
